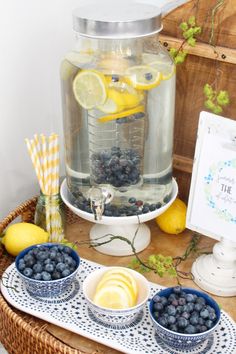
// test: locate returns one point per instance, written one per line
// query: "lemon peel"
(122, 114)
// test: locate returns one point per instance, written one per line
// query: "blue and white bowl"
(50, 288)
(181, 341)
(115, 318)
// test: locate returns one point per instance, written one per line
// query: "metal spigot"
(99, 196)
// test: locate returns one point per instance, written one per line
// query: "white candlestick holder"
(216, 273)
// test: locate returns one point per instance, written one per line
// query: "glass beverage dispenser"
(118, 104)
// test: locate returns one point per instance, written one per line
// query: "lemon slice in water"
(167, 69)
(143, 77)
(90, 88)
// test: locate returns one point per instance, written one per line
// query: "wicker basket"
(22, 333)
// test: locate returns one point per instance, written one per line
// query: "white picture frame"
(212, 199)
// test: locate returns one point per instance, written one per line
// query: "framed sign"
(212, 199)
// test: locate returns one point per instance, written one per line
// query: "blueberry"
(182, 322)
(37, 276)
(68, 260)
(145, 210)
(190, 307)
(41, 256)
(185, 314)
(37, 268)
(204, 314)
(46, 276)
(201, 321)
(61, 248)
(65, 272)
(201, 300)
(152, 207)
(67, 250)
(28, 258)
(164, 300)
(209, 324)
(194, 320)
(148, 76)
(53, 254)
(212, 316)
(190, 298)
(203, 328)
(177, 290)
(132, 200)
(158, 205)
(171, 320)
(56, 275)
(190, 329)
(162, 321)
(21, 265)
(173, 328)
(179, 309)
(198, 307)
(171, 310)
(172, 297)
(158, 306)
(59, 258)
(28, 272)
(49, 268)
(182, 301)
(60, 267)
(175, 303)
(156, 298)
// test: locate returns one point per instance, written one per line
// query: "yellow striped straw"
(36, 162)
(45, 164)
(54, 156)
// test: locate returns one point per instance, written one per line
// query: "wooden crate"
(204, 64)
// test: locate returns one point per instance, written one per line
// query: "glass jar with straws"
(49, 213)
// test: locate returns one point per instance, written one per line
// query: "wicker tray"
(22, 333)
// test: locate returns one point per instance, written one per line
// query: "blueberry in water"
(28, 272)
(152, 207)
(132, 200)
(145, 210)
(158, 205)
(148, 76)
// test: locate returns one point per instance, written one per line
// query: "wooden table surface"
(78, 230)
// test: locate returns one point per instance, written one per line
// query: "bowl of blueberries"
(47, 269)
(183, 318)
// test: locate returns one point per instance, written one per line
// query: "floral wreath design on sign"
(218, 186)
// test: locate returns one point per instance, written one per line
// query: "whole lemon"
(22, 235)
(173, 220)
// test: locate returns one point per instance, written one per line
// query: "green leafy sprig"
(215, 101)
(190, 31)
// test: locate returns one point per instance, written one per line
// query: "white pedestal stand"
(120, 226)
(216, 273)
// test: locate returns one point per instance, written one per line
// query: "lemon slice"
(167, 69)
(121, 281)
(89, 87)
(115, 102)
(122, 114)
(113, 297)
(143, 77)
(79, 58)
(122, 285)
(125, 274)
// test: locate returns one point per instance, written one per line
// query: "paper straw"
(36, 163)
(46, 173)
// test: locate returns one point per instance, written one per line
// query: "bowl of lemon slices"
(116, 296)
